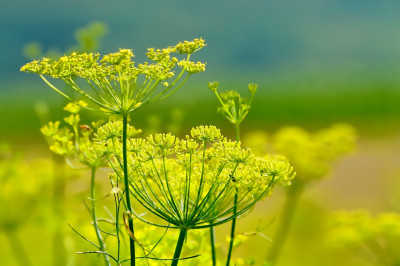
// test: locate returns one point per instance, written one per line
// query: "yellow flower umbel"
(114, 82)
(190, 183)
(75, 141)
(313, 153)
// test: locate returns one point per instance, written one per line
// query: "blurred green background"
(316, 63)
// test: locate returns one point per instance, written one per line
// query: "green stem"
(18, 249)
(102, 244)
(228, 260)
(212, 240)
(237, 130)
(127, 193)
(235, 200)
(179, 245)
(292, 199)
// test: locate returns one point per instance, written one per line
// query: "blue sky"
(279, 39)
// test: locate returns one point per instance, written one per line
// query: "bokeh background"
(316, 63)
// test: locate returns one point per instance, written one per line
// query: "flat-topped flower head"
(278, 167)
(252, 88)
(313, 153)
(113, 131)
(206, 133)
(122, 58)
(89, 145)
(186, 146)
(74, 108)
(61, 138)
(213, 85)
(189, 47)
(232, 151)
(192, 67)
(163, 56)
(162, 141)
(191, 182)
(114, 83)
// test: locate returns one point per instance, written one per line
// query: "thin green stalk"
(237, 130)
(232, 230)
(127, 193)
(212, 240)
(18, 249)
(292, 199)
(102, 244)
(235, 200)
(179, 245)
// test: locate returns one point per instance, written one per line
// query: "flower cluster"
(233, 106)
(191, 182)
(312, 154)
(113, 81)
(80, 142)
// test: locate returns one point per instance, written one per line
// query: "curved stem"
(292, 199)
(179, 245)
(102, 244)
(127, 193)
(235, 201)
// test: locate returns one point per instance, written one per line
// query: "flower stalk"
(234, 108)
(212, 243)
(233, 226)
(179, 245)
(292, 199)
(126, 183)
